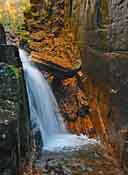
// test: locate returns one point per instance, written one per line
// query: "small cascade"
(45, 113)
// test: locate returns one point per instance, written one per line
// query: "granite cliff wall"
(101, 29)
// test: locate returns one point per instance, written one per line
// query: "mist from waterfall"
(44, 111)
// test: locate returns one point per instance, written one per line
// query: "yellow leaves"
(11, 13)
(38, 36)
(58, 50)
(49, 57)
(52, 42)
(36, 46)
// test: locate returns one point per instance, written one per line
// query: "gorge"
(81, 48)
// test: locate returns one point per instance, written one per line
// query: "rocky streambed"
(87, 161)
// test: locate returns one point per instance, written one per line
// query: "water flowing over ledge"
(45, 113)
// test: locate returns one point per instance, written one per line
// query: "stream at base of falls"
(44, 112)
(85, 161)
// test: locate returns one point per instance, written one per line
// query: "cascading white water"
(45, 112)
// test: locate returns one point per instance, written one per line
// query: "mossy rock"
(8, 91)
(14, 117)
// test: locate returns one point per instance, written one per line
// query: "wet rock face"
(14, 116)
(8, 147)
(8, 93)
(106, 70)
(8, 113)
(8, 86)
(119, 27)
(9, 54)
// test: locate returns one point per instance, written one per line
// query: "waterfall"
(44, 110)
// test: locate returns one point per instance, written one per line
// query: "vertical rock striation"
(119, 25)
(101, 29)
